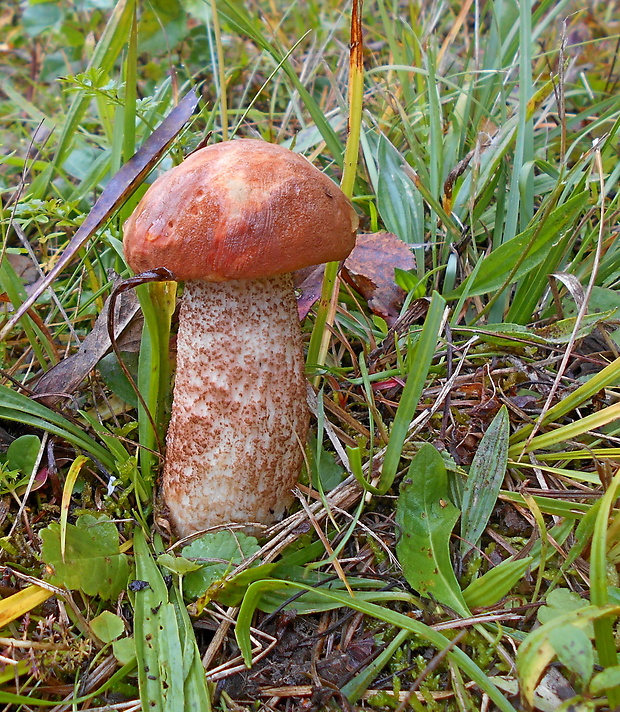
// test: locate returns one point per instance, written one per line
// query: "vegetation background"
(456, 542)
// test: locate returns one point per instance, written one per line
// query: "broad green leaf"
(179, 565)
(115, 379)
(496, 583)
(124, 650)
(398, 200)
(162, 22)
(560, 332)
(107, 626)
(231, 589)
(536, 651)
(92, 561)
(217, 553)
(574, 650)
(425, 518)
(41, 18)
(486, 475)
(605, 679)
(329, 473)
(23, 453)
(560, 602)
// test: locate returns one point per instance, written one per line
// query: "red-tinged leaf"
(387, 384)
(308, 284)
(370, 269)
(39, 481)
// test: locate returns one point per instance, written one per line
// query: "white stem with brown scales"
(239, 414)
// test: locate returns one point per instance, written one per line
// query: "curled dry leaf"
(67, 375)
(369, 269)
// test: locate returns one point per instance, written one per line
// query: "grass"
(455, 544)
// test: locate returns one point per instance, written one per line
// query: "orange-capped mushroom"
(233, 221)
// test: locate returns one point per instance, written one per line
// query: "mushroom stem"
(239, 415)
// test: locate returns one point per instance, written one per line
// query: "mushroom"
(232, 222)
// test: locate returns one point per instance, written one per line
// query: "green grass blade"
(240, 20)
(603, 627)
(419, 364)
(117, 29)
(608, 376)
(21, 409)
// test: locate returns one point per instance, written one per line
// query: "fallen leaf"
(66, 376)
(24, 268)
(369, 269)
(307, 283)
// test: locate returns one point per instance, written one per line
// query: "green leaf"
(23, 453)
(496, 583)
(425, 518)
(107, 626)
(45, 16)
(574, 650)
(398, 200)
(230, 591)
(92, 562)
(115, 379)
(329, 472)
(162, 22)
(420, 362)
(177, 564)
(536, 651)
(124, 650)
(561, 332)
(609, 677)
(217, 553)
(170, 675)
(560, 602)
(486, 475)
(17, 407)
(341, 598)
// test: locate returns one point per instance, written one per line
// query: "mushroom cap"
(242, 209)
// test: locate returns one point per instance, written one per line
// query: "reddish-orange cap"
(241, 209)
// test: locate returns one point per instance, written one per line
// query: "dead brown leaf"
(369, 269)
(66, 376)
